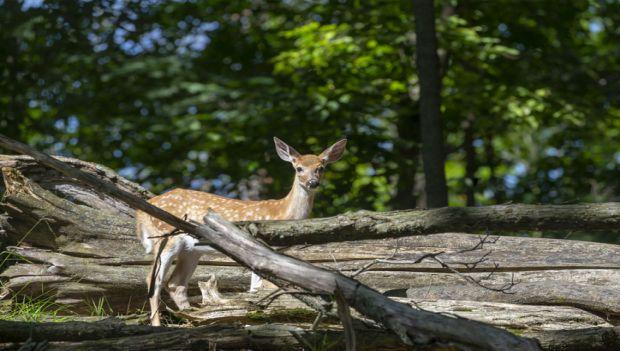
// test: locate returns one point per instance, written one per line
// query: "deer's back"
(195, 205)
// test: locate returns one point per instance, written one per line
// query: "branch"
(413, 326)
(470, 266)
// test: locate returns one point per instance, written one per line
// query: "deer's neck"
(298, 202)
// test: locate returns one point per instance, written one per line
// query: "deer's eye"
(320, 169)
(299, 169)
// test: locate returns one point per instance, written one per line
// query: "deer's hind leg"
(179, 279)
(167, 253)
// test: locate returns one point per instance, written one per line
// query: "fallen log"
(556, 328)
(77, 264)
(68, 187)
(80, 274)
(349, 226)
(16, 331)
(412, 326)
(550, 325)
(106, 336)
(602, 300)
(377, 225)
(77, 281)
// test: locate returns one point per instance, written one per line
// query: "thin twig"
(469, 266)
(373, 262)
(273, 296)
(317, 320)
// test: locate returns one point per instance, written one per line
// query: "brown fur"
(195, 204)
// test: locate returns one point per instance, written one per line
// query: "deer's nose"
(313, 183)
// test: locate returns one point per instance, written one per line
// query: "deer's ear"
(285, 152)
(334, 152)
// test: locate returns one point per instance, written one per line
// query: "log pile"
(78, 246)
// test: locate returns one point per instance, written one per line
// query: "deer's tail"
(143, 232)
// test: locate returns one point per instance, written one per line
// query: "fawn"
(195, 204)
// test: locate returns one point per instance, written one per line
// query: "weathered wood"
(556, 328)
(411, 325)
(550, 325)
(15, 331)
(43, 219)
(107, 336)
(589, 269)
(68, 187)
(376, 225)
(601, 300)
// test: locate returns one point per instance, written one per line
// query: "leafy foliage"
(190, 93)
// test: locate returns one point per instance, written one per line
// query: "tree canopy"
(190, 93)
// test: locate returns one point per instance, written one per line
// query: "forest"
(481, 176)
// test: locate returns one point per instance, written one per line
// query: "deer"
(193, 205)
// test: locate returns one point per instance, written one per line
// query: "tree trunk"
(431, 127)
(499, 193)
(470, 161)
(406, 147)
(376, 225)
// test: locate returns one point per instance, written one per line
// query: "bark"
(376, 225)
(83, 268)
(589, 269)
(550, 325)
(407, 150)
(57, 182)
(16, 331)
(41, 218)
(556, 328)
(410, 325)
(431, 127)
(106, 336)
